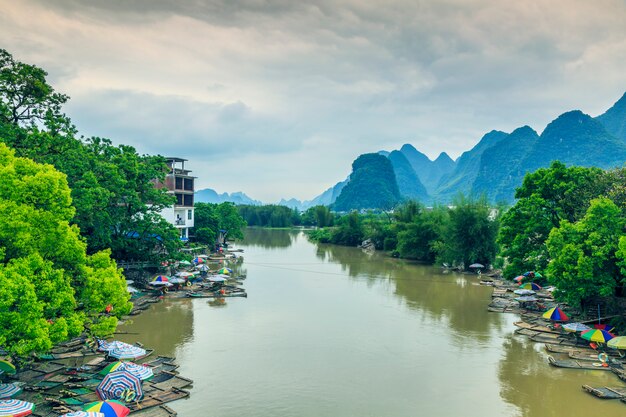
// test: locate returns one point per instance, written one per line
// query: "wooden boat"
(158, 398)
(538, 328)
(215, 295)
(553, 339)
(573, 364)
(158, 411)
(606, 393)
(594, 357)
(83, 352)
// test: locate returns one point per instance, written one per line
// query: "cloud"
(318, 82)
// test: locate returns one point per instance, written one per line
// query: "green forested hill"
(501, 170)
(466, 170)
(575, 138)
(372, 185)
(614, 119)
(409, 184)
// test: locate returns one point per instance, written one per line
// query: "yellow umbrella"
(617, 343)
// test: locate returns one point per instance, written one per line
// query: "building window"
(179, 183)
(189, 214)
(179, 199)
(188, 200)
(188, 184)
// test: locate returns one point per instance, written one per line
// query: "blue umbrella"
(120, 385)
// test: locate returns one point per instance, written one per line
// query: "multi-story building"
(179, 183)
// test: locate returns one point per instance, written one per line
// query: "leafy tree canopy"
(51, 288)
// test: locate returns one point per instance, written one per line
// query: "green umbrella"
(7, 367)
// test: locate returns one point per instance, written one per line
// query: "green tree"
(422, 238)
(206, 223)
(113, 188)
(546, 197)
(51, 287)
(585, 255)
(231, 220)
(471, 235)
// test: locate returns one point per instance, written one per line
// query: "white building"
(179, 183)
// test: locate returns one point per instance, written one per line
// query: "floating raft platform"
(573, 364)
(606, 393)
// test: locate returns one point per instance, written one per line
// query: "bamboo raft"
(215, 295)
(538, 328)
(553, 339)
(573, 364)
(606, 393)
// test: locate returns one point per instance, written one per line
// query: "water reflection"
(539, 390)
(165, 326)
(268, 238)
(424, 288)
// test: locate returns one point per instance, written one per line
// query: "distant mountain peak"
(614, 119)
(444, 158)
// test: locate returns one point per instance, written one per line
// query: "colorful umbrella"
(9, 390)
(126, 351)
(203, 268)
(216, 278)
(199, 260)
(606, 327)
(618, 342)
(225, 271)
(477, 266)
(518, 278)
(530, 286)
(120, 385)
(110, 408)
(524, 292)
(83, 414)
(538, 275)
(140, 371)
(575, 327)
(597, 335)
(7, 367)
(184, 274)
(555, 314)
(529, 274)
(177, 280)
(184, 263)
(15, 408)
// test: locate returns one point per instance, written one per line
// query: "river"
(333, 331)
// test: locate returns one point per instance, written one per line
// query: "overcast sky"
(277, 98)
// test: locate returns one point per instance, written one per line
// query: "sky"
(276, 98)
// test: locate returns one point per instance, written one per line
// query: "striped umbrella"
(15, 408)
(9, 390)
(127, 351)
(144, 373)
(83, 414)
(597, 335)
(120, 385)
(575, 327)
(140, 371)
(555, 314)
(530, 286)
(110, 408)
